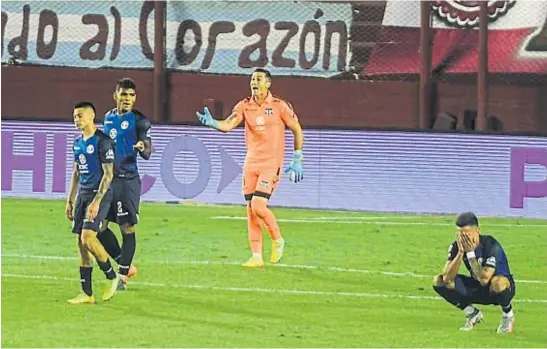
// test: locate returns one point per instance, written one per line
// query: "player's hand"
(139, 146)
(460, 244)
(295, 170)
(93, 210)
(69, 211)
(467, 243)
(206, 118)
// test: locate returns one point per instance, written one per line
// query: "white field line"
(351, 217)
(261, 290)
(365, 220)
(291, 266)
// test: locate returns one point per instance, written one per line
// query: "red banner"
(517, 37)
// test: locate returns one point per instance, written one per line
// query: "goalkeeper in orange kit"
(266, 117)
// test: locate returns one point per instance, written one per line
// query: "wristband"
(470, 254)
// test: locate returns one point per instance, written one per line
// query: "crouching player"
(491, 281)
(91, 177)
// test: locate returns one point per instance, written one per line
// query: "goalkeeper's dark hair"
(265, 71)
(85, 104)
(467, 219)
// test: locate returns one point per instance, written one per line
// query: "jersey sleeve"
(491, 255)
(288, 115)
(106, 150)
(144, 129)
(452, 251)
(239, 111)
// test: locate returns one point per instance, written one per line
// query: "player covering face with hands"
(491, 281)
(266, 117)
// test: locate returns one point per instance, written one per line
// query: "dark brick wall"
(49, 93)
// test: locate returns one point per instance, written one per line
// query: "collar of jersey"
(268, 100)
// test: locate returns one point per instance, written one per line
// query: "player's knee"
(499, 284)
(86, 261)
(259, 207)
(127, 229)
(438, 281)
(87, 237)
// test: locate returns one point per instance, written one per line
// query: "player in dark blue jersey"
(491, 281)
(91, 177)
(130, 131)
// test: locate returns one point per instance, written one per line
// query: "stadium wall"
(350, 170)
(319, 102)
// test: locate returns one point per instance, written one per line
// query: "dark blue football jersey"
(489, 253)
(90, 155)
(126, 130)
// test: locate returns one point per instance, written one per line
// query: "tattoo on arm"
(108, 173)
(476, 268)
(231, 122)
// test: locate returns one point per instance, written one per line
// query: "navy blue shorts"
(479, 294)
(83, 200)
(124, 208)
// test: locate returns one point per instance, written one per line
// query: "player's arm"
(298, 134)
(225, 125)
(75, 180)
(231, 122)
(483, 273)
(452, 266)
(291, 121)
(486, 272)
(106, 154)
(144, 138)
(72, 192)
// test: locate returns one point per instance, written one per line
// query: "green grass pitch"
(348, 279)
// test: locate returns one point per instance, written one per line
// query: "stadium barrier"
(351, 170)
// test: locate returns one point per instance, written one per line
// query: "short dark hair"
(467, 219)
(85, 104)
(265, 71)
(126, 83)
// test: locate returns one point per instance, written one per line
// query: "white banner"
(289, 38)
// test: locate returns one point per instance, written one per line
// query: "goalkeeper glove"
(295, 168)
(207, 119)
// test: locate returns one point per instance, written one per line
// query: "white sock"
(509, 314)
(257, 255)
(280, 241)
(469, 310)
